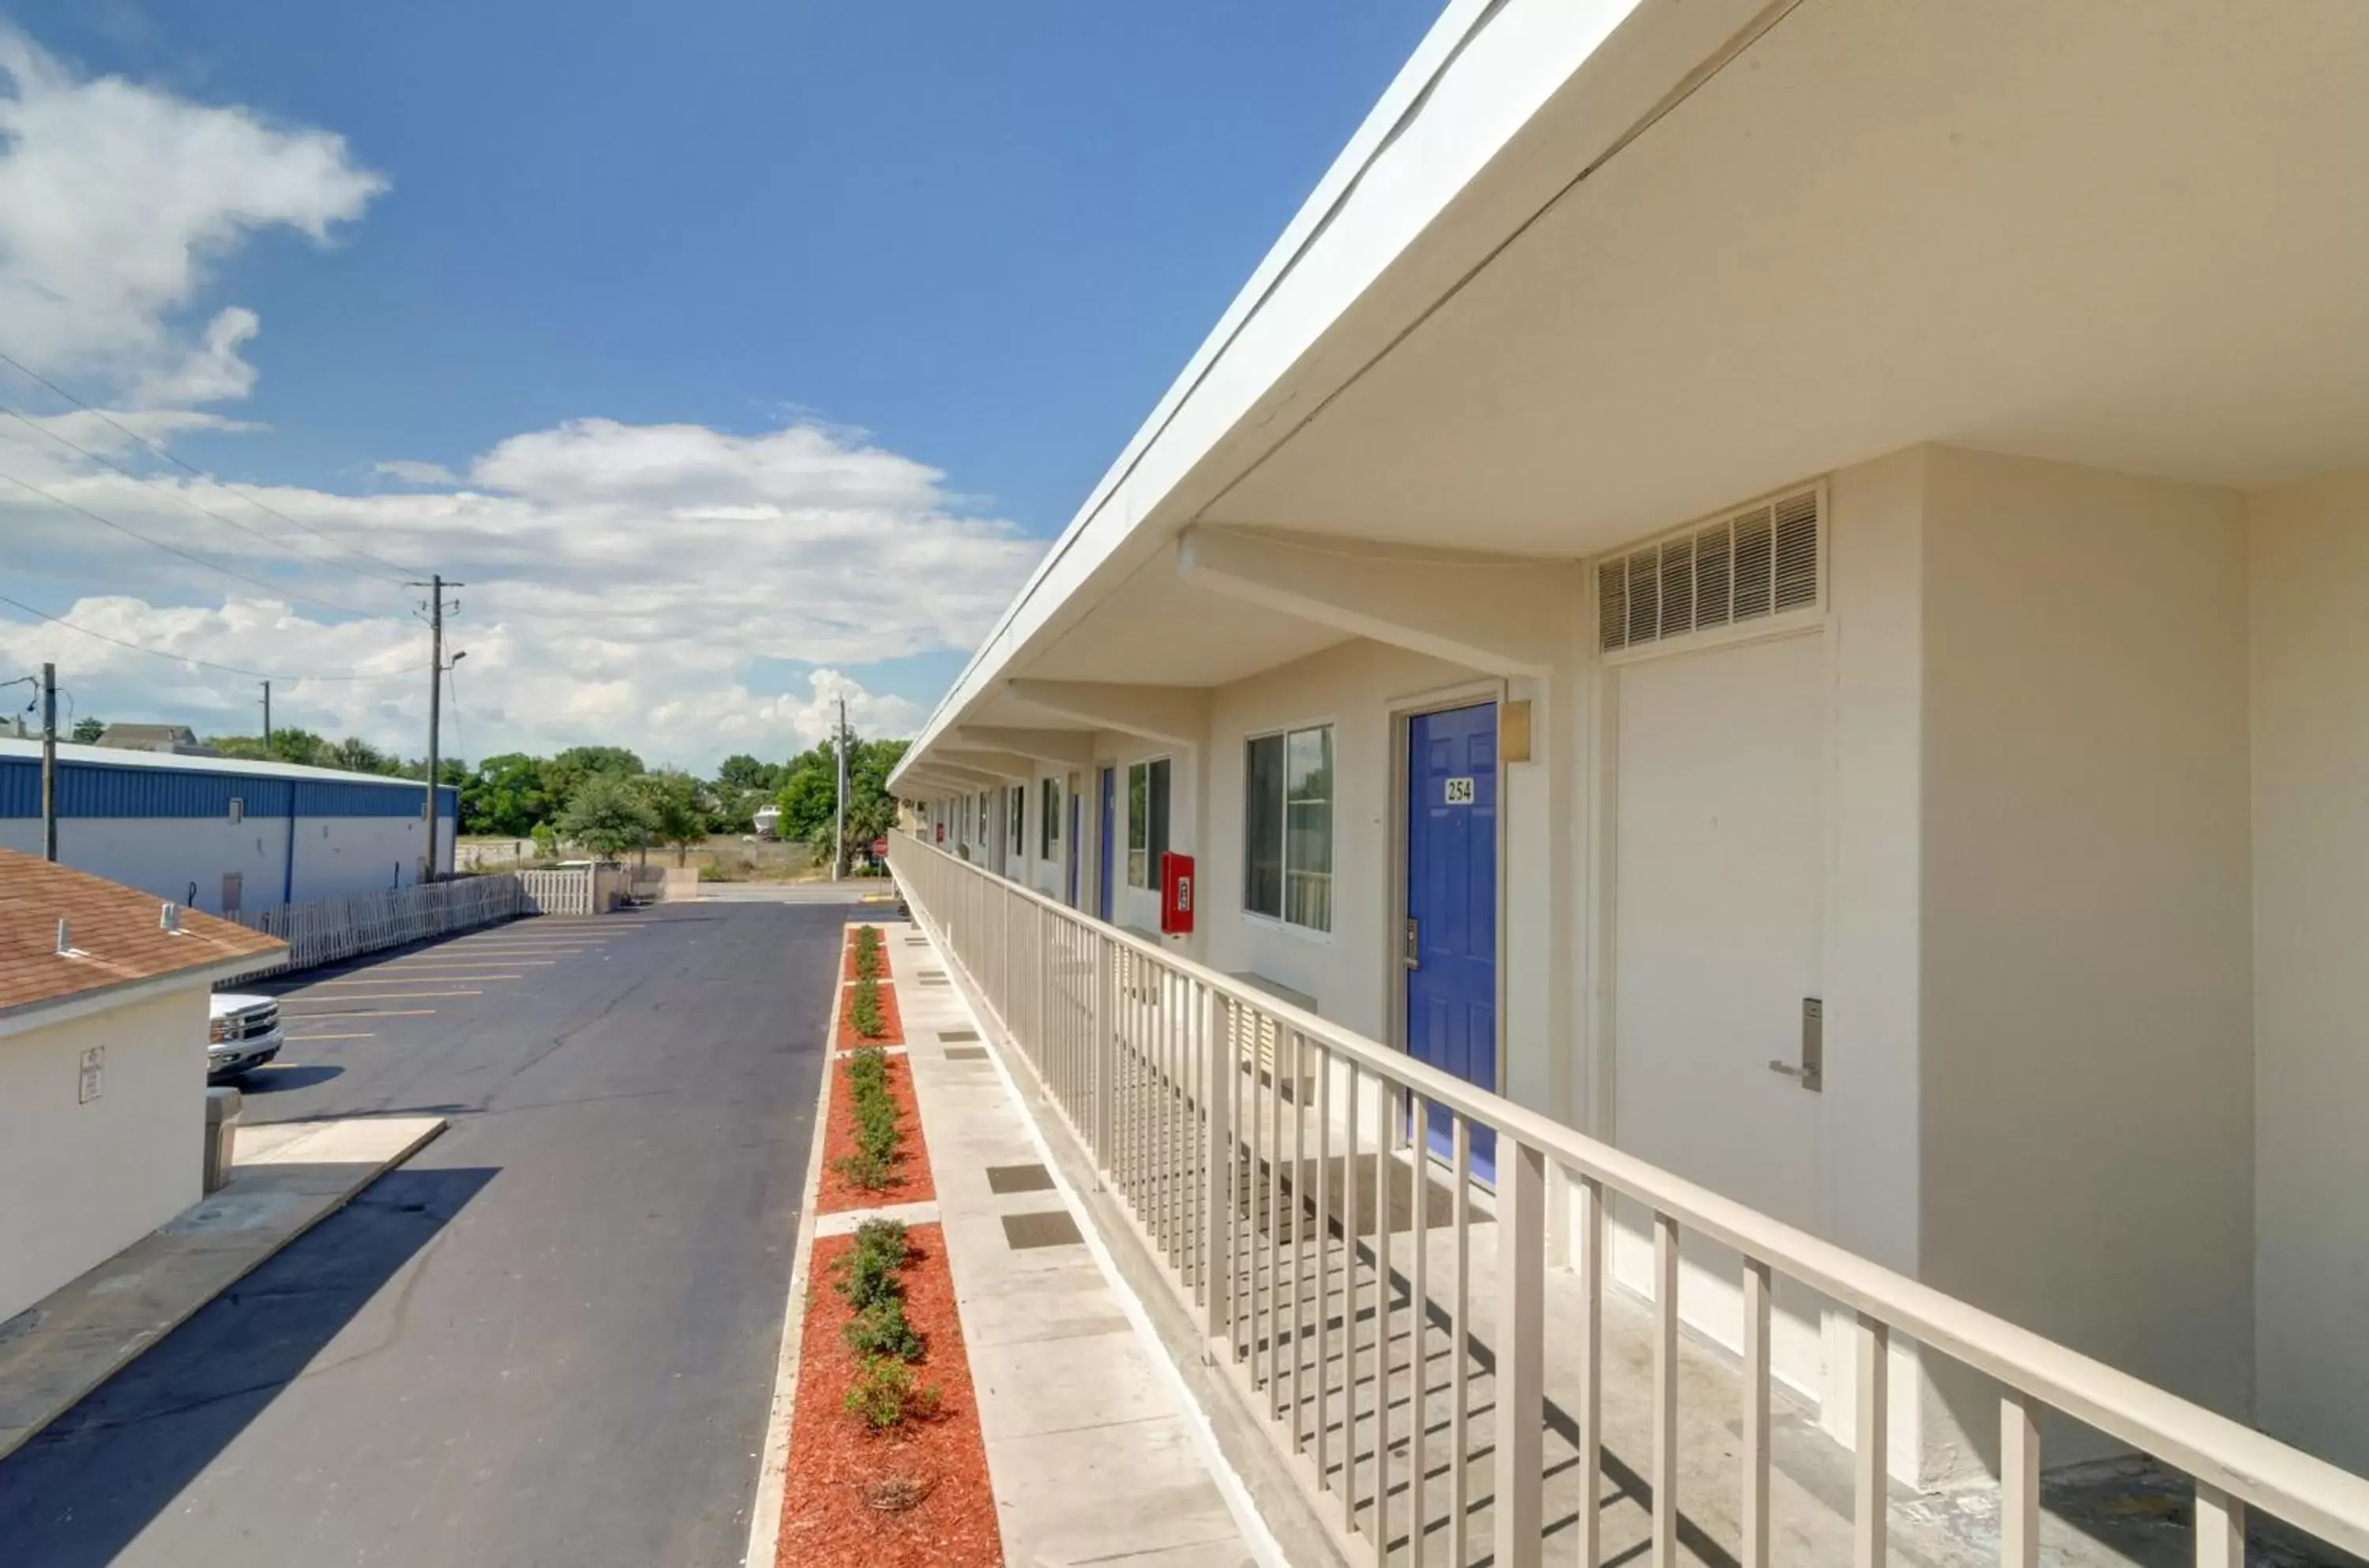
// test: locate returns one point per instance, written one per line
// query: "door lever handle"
(1811, 1073)
(1410, 945)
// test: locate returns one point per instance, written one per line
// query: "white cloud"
(411, 471)
(618, 588)
(113, 199)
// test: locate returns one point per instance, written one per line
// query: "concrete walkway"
(285, 1179)
(1092, 1452)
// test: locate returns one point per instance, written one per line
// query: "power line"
(186, 554)
(241, 491)
(200, 663)
(36, 425)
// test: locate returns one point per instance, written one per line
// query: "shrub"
(884, 1393)
(881, 1330)
(868, 963)
(867, 1271)
(863, 1011)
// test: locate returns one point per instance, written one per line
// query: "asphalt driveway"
(548, 1339)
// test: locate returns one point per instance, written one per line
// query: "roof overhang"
(1591, 271)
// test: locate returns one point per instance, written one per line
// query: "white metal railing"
(331, 929)
(1248, 1196)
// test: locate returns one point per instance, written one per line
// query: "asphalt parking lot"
(551, 1336)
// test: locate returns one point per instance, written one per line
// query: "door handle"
(1411, 949)
(1811, 1073)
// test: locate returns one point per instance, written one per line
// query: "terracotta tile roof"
(115, 929)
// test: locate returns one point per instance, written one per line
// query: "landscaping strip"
(887, 1469)
(887, 1171)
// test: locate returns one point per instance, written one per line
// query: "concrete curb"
(773, 1467)
(15, 1436)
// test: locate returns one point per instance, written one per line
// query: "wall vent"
(1760, 562)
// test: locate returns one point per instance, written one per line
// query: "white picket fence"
(340, 928)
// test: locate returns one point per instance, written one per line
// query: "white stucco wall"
(2310, 573)
(79, 1183)
(2086, 1072)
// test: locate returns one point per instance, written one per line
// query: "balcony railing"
(1270, 1161)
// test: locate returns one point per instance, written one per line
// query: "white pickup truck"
(246, 1035)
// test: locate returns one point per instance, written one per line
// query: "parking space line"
(395, 995)
(365, 1034)
(411, 980)
(367, 1013)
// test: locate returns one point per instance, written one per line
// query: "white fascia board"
(1474, 82)
(125, 993)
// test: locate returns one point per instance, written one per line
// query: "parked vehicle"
(244, 1034)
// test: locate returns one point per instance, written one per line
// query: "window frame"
(1284, 733)
(1048, 818)
(1151, 850)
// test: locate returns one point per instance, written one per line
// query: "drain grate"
(1019, 1179)
(1023, 1232)
(965, 1053)
(952, 1034)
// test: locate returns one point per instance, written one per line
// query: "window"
(1288, 827)
(1048, 829)
(1019, 840)
(1147, 821)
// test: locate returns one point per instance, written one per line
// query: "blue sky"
(984, 237)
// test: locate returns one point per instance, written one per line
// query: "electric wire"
(186, 554)
(32, 424)
(240, 491)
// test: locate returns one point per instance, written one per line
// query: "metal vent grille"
(1753, 564)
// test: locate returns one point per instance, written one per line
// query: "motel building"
(1747, 654)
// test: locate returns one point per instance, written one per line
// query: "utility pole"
(839, 829)
(50, 762)
(267, 715)
(435, 586)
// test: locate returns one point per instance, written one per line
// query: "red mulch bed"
(847, 962)
(827, 1519)
(911, 1184)
(849, 1039)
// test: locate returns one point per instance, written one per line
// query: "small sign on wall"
(1459, 791)
(94, 1074)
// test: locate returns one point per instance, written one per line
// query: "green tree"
(607, 815)
(742, 772)
(505, 795)
(563, 773)
(672, 797)
(356, 755)
(809, 796)
(88, 730)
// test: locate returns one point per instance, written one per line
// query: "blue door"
(1103, 840)
(1451, 947)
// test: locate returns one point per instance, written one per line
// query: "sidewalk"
(286, 1178)
(1092, 1450)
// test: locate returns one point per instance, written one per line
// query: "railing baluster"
(1384, 1137)
(1274, 1092)
(2220, 1528)
(1418, 1332)
(1219, 1323)
(1349, 1310)
(1869, 1470)
(1324, 1266)
(1756, 1413)
(2019, 1482)
(1299, 1227)
(1459, 1480)
(1521, 1351)
(1591, 1372)
(1665, 1391)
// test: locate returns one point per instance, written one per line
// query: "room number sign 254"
(1460, 791)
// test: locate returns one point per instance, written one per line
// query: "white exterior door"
(1718, 886)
